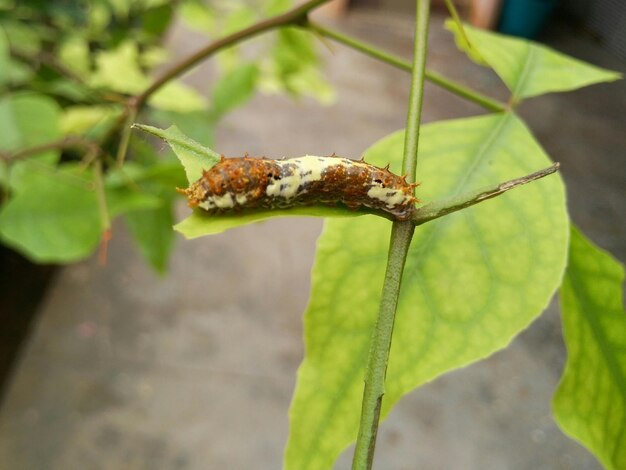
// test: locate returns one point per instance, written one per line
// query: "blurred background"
(117, 366)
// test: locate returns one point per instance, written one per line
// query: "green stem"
(122, 149)
(294, 16)
(484, 101)
(401, 235)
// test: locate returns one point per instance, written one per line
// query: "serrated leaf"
(590, 402)
(528, 68)
(233, 89)
(192, 155)
(473, 280)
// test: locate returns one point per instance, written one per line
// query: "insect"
(240, 183)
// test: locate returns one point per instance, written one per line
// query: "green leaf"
(527, 68)
(473, 280)
(239, 17)
(118, 69)
(5, 59)
(152, 230)
(200, 223)
(199, 17)
(192, 155)
(75, 55)
(198, 125)
(54, 217)
(91, 121)
(294, 67)
(234, 88)
(24, 37)
(590, 402)
(28, 120)
(178, 97)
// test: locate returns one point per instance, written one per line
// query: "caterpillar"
(240, 183)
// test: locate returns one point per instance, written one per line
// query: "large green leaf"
(473, 279)
(590, 402)
(528, 68)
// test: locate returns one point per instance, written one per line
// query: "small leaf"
(234, 88)
(590, 402)
(192, 155)
(528, 68)
(473, 280)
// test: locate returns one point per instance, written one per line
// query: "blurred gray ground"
(195, 370)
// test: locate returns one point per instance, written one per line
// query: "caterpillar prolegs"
(239, 183)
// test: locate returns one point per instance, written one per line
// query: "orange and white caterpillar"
(239, 183)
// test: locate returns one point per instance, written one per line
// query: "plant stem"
(68, 142)
(456, 88)
(401, 235)
(122, 148)
(438, 209)
(294, 16)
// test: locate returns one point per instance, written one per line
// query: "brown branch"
(435, 210)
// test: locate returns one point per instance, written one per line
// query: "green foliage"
(66, 72)
(590, 402)
(472, 281)
(55, 214)
(527, 68)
